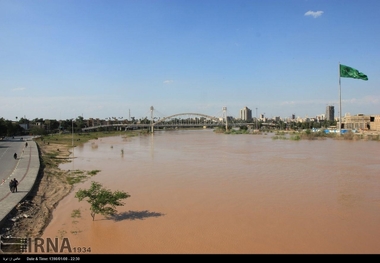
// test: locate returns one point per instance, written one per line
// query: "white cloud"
(302, 102)
(18, 89)
(314, 14)
(373, 100)
(168, 81)
(367, 100)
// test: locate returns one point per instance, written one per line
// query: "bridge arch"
(186, 114)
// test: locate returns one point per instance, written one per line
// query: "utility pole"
(72, 132)
(256, 118)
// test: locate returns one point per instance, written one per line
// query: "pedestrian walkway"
(26, 172)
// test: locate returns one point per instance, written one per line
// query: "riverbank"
(34, 214)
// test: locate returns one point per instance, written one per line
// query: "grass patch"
(232, 131)
(279, 137)
(280, 133)
(52, 154)
(62, 233)
(93, 172)
(76, 213)
(75, 232)
(295, 137)
(76, 176)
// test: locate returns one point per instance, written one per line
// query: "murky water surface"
(201, 192)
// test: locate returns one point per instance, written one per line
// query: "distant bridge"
(172, 121)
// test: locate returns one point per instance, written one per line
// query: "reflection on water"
(201, 192)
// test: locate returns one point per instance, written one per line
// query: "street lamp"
(72, 132)
(72, 138)
(121, 123)
(256, 118)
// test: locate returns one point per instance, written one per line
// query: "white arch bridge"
(175, 121)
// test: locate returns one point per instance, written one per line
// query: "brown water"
(201, 192)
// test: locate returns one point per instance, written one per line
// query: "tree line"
(18, 127)
(13, 128)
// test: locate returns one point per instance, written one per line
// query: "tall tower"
(151, 118)
(246, 114)
(330, 115)
(225, 116)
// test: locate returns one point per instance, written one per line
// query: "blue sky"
(67, 58)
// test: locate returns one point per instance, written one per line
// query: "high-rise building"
(246, 114)
(329, 113)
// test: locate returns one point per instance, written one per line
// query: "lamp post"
(72, 132)
(256, 118)
(121, 123)
(72, 139)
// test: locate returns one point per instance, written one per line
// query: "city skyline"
(64, 59)
(244, 114)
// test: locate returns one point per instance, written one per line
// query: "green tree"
(317, 125)
(37, 131)
(23, 121)
(38, 120)
(80, 122)
(281, 125)
(67, 125)
(102, 200)
(3, 127)
(244, 127)
(54, 125)
(12, 128)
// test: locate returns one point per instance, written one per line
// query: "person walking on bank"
(12, 186)
(15, 184)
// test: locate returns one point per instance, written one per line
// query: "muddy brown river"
(195, 191)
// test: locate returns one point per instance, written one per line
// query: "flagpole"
(340, 103)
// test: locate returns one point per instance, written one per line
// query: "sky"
(116, 58)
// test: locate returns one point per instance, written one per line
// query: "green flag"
(348, 72)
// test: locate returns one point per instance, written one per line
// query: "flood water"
(195, 191)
